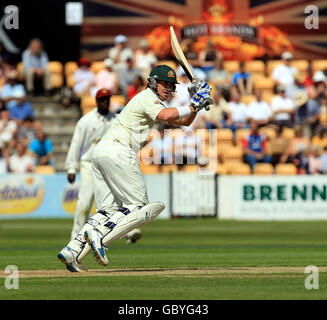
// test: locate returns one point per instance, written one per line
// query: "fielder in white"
(120, 192)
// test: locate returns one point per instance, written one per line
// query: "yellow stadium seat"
(269, 132)
(247, 98)
(286, 169)
(56, 70)
(300, 64)
(323, 119)
(263, 169)
(319, 64)
(87, 104)
(55, 67)
(231, 66)
(224, 136)
(117, 100)
(70, 67)
(190, 168)
(97, 66)
(255, 67)
(265, 84)
(20, 67)
(240, 134)
(70, 81)
(267, 96)
(235, 168)
(232, 154)
(288, 133)
(149, 168)
(44, 169)
(221, 169)
(166, 168)
(271, 66)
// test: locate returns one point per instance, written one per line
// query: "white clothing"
(145, 61)
(124, 54)
(3, 166)
(7, 131)
(284, 74)
(259, 110)
(21, 164)
(239, 111)
(280, 103)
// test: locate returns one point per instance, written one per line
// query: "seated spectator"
(187, 147)
(254, 147)
(8, 128)
(20, 162)
(7, 66)
(296, 150)
(314, 165)
(35, 61)
(41, 149)
(243, 80)
(239, 112)
(21, 109)
(84, 78)
(10, 88)
(260, 110)
(137, 86)
(284, 74)
(26, 131)
(219, 113)
(144, 57)
(120, 53)
(127, 75)
(319, 89)
(278, 145)
(219, 76)
(4, 161)
(323, 160)
(107, 78)
(320, 139)
(208, 56)
(307, 112)
(283, 108)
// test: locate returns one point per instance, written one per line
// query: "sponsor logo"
(20, 194)
(171, 74)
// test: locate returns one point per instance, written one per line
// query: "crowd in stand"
(297, 103)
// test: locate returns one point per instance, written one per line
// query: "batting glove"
(201, 99)
(198, 85)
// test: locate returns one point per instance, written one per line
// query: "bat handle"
(207, 104)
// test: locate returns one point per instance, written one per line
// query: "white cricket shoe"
(94, 239)
(133, 236)
(68, 257)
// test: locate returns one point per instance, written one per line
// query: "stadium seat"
(255, 67)
(286, 169)
(87, 104)
(166, 168)
(44, 169)
(97, 66)
(238, 168)
(268, 132)
(232, 154)
(70, 67)
(231, 66)
(301, 65)
(319, 65)
(288, 133)
(56, 70)
(149, 168)
(323, 119)
(224, 136)
(267, 96)
(20, 67)
(240, 134)
(221, 169)
(190, 168)
(248, 98)
(265, 84)
(263, 169)
(271, 66)
(117, 100)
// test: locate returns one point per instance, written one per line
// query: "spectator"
(307, 112)
(284, 74)
(137, 86)
(10, 89)
(243, 80)
(314, 165)
(41, 149)
(26, 131)
(4, 161)
(35, 61)
(8, 128)
(323, 160)
(127, 75)
(208, 56)
(7, 67)
(84, 78)
(259, 110)
(120, 53)
(278, 145)
(320, 139)
(239, 112)
(219, 113)
(107, 78)
(144, 57)
(319, 80)
(254, 147)
(20, 162)
(219, 76)
(296, 149)
(283, 108)
(21, 109)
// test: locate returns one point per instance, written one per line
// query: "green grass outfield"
(200, 258)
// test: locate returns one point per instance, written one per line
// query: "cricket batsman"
(120, 192)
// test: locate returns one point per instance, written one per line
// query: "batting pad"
(134, 220)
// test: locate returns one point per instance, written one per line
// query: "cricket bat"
(179, 55)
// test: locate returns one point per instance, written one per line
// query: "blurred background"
(265, 59)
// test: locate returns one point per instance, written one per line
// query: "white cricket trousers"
(118, 181)
(85, 198)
